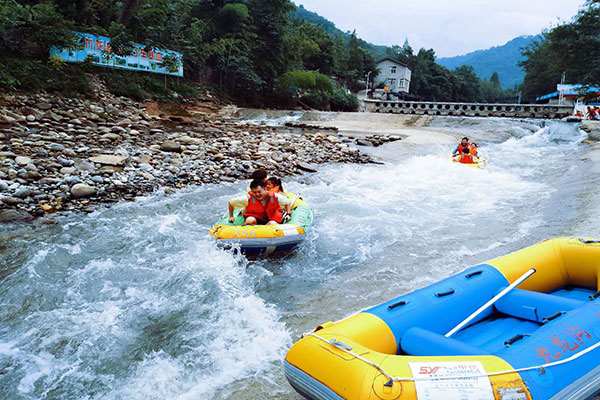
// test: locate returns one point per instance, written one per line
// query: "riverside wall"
(546, 111)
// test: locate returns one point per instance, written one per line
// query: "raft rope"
(391, 379)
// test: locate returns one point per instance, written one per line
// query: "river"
(136, 302)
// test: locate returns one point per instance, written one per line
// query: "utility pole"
(368, 80)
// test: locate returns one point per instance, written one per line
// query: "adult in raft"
(464, 144)
(261, 207)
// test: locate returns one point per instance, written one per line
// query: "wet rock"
(81, 190)
(11, 216)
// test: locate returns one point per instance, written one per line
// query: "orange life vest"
(466, 158)
(274, 190)
(460, 147)
(473, 151)
(270, 212)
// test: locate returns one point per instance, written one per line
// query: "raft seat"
(535, 306)
(422, 342)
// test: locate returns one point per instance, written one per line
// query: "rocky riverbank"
(63, 154)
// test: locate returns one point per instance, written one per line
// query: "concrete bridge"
(547, 111)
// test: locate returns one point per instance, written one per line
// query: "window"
(393, 70)
(392, 82)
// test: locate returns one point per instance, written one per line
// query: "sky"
(450, 27)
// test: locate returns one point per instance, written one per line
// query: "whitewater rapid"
(137, 302)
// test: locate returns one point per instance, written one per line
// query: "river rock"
(21, 160)
(23, 192)
(111, 136)
(85, 166)
(362, 142)
(10, 201)
(81, 190)
(110, 160)
(65, 162)
(171, 146)
(15, 216)
(306, 166)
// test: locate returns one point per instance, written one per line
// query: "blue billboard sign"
(98, 50)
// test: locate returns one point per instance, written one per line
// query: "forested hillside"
(572, 48)
(261, 53)
(504, 60)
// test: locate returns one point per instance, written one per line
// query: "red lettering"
(143, 53)
(89, 43)
(151, 54)
(99, 44)
(158, 56)
(428, 370)
(543, 352)
(108, 48)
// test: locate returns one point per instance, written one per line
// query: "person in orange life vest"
(261, 206)
(466, 157)
(274, 185)
(464, 144)
(473, 150)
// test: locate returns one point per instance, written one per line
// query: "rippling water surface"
(135, 302)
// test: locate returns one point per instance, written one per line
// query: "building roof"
(392, 60)
(569, 91)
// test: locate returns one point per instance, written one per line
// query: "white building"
(393, 74)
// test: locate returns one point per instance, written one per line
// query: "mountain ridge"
(503, 59)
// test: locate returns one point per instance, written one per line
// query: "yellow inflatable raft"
(265, 239)
(478, 162)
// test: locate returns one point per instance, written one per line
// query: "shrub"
(318, 100)
(343, 101)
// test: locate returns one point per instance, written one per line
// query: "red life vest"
(270, 212)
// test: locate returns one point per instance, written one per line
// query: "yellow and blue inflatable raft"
(540, 340)
(265, 239)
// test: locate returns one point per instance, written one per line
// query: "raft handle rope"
(398, 304)
(474, 273)
(392, 379)
(447, 293)
(553, 316)
(585, 241)
(595, 295)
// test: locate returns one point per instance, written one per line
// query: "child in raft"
(274, 185)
